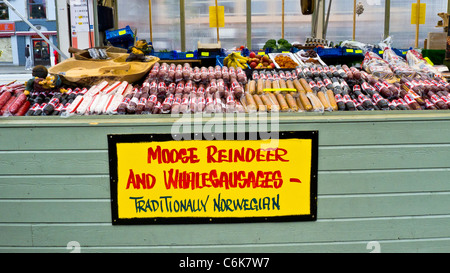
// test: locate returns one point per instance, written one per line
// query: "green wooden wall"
(383, 176)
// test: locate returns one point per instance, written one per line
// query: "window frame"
(31, 5)
(385, 26)
(7, 10)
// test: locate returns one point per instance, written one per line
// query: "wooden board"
(382, 177)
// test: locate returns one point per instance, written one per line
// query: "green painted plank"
(329, 207)
(330, 158)
(54, 186)
(344, 230)
(384, 157)
(383, 181)
(381, 205)
(330, 182)
(54, 162)
(69, 138)
(386, 246)
(55, 211)
(361, 133)
(15, 235)
(376, 132)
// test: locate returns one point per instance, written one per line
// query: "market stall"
(285, 82)
(382, 176)
(365, 148)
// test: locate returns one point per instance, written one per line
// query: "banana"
(240, 58)
(237, 55)
(235, 60)
(242, 61)
(240, 64)
(226, 60)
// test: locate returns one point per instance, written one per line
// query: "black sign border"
(113, 139)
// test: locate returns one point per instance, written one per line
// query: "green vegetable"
(272, 43)
(282, 45)
(283, 42)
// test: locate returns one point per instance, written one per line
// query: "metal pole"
(249, 24)
(282, 19)
(150, 20)
(325, 28)
(387, 18)
(57, 27)
(417, 23)
(34, 28)
(315, 19)
(217, 22)
(354, 19)
(96, 33)
(182, 26)
(320, 18)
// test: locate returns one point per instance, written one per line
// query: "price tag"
(358, 51)
(428, 61)
(262, 53)
(380, 52)
(349, 50)
(205, 54)
(122, 32)
(190, 55)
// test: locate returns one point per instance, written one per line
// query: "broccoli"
(282, 42)
(284, 45)
(272, 43)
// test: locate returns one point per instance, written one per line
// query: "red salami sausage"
(4, 98)
(7, 105)
(17, 103)
(176, 104)
(23, 109)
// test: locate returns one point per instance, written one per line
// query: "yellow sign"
(213, 18)
(423, 10)
(156, 180)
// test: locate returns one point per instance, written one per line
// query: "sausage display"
(184, 88)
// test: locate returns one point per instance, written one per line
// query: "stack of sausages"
(284, 91)
(13, 101)
(179, 89)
